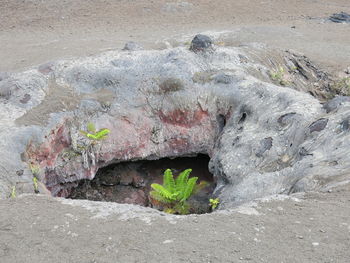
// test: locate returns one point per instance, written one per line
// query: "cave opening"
(130, 182)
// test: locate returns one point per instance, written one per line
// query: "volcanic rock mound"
(262, 138)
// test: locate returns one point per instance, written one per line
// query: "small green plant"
(279, 76)
(213, 203)
(174, 193)
(35, 184)
(94, 135)
(35, 169)
(13, 192)
(342, 86)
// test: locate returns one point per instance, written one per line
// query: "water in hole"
(129, 182)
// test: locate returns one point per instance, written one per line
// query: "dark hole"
(242, 119)
(130, 182)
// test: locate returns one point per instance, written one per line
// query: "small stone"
(25, 98)
(46, 68)
(137, 181)
(341, 17)
(201, 43)
(318, 125)
(286, 118)
(344, 125)
(334, 103)
(168, 241)
(315, 244)
(132, 46)
(265, 145)
(20, 172)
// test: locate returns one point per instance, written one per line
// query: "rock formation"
(262, 138)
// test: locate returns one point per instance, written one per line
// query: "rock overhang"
(169, 103)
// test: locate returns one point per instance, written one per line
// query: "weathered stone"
(25, 98)
(262, 143)
(265, 145)
(341, 17)
(334, 103)
(345, 125)
(132, 46)
(201, 43)
(318, 125)
(46, 68)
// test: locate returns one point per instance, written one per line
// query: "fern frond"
(181, 180)
(168, 181)
(189, 188)
(158, 197)
(164, 192)
(101, 134)
(91, 136)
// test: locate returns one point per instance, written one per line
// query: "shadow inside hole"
(243, 117)
(130, 182)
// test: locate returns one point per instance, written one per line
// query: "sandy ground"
(41, 229)
(310, 228)
(37, 31)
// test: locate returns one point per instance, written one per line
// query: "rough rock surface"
(341, 17)
(262, 139)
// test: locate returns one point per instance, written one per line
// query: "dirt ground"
(313, 228)
(36, 31)
(310, 228)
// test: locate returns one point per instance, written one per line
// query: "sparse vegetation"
(279, 76)
(35, 169)
(35, 184)
(213, 203)
(13, 192)
(171, 85)
(342, 86)
(94, 135)
(174, 193)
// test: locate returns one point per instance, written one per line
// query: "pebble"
(201, 43)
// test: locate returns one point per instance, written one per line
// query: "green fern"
(188, 188)
(174, 193)
(94, 135)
